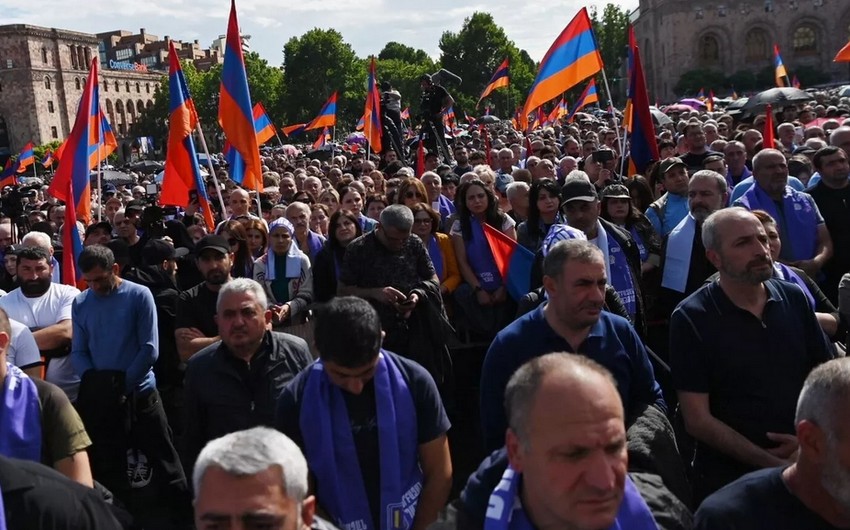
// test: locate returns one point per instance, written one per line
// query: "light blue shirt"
(674, 212)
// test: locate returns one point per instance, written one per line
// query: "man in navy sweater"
(114, 347)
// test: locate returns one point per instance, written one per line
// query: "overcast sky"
(365, 24)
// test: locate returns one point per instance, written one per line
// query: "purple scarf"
(800, 218)
(331, 454)
(436, 256)
(783, 272)
(617, 265)
(644, 254)
(20, 417)
(504, 512)
(480, 258)
(314, 244)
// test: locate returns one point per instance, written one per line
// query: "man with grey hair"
(571, 320)
(233, 384)
(813, 491)
(740, 349)
(254, 477)
(685, 267)
(391, 268)
(517, 195)
(40, 239)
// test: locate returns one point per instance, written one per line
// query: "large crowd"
(675, 360)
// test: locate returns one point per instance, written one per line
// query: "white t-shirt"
(23, 351)
(51, 308)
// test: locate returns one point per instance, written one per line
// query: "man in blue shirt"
(672, 207)
(572, 320)
(114, 346)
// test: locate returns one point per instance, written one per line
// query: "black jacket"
(224, 394)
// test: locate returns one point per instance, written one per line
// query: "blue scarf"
(644, 254)
(315, 242)
(331, 454)
(480, 258)
(677, 259)
(505, 512)
(799, 219)
(783, 272)
(447, 207)
(436, 256)
(617, 268)
(367, 224)
(293, 256)
(20, 417)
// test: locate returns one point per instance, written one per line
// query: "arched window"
(147, 88)
(44, 55)
(119, 107)
(127, 86)
(47, 82)
(73, 56)
(117, 88)
(758, 47)
(138, 88)
(140, 106)
(149, 105)
(709, 50)
(109, 108)
(105, 85)
(77, 83)
(805, 40)
(131, 109)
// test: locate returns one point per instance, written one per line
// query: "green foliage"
(692, 80)
(611, 30)
(810, 76)
(403, 53)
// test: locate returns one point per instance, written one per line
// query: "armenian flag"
(71, 241)
(558, 112)
(780, 72)
(709, 103)
(235, 112)
(513, 261)
(48, 159)
(501, 78)
(360, 123)
(372, 114)
(323, 139)
(768, 139)
(107, 144)
(292, 130)
(701, 94)
(262, 124)
(405, 114)
(643, 146)
(572, 58)
(843, 55)
(182, 176)
(26, 158)
(449, 117)
(588, 96)
(795, 82)
(326, 117)
(9, 176)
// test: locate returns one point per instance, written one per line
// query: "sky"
(365, 24)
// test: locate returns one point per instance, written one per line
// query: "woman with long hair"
(375, 204)
(410, 192)
(544, 210)
(258, 237)
(617, 207)
(351, 199)
(330, 198)
(344, 227)
(237, 238)
(483, 296)
(426, 221)
(285, 274)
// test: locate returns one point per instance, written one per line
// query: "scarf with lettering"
(784, 272)
(480, 258)
(617, 268)
(436, 255)
(800, 218)
(332, 456)
(677, 259)
(644, 253)
(505, 511)
(20, 417)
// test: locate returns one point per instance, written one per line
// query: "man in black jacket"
(233, 384)
(622, 258)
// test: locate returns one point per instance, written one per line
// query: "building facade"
(43, 73)
(676, 36)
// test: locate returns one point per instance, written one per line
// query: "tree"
(611, 30)
(474, 53)
(404, 53)
(315, 65)
(265, 84)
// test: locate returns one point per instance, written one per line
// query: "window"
(44, 55)
(50, 107)
(147, 88)
(757, 45)
(138, 88)
(73, 57)
(127, 86)
(77, 83)
(805, 40)
(105, 85)
(709, 50)
(54, 133)
(116, 86)
(47, 82)
(124, 54)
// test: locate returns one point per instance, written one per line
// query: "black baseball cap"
(103, 225)
(156, 251)
(213, 242)
(578, 189)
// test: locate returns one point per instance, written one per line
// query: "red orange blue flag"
(182, 182)
(262, 124)
(372, 115)
(323, 139)
(501, 78)
(588, 96)
(709, 103)
(779, 69)
(235, 112)
(107, 143)
(572, 58)
(326, 117)
(360, 123)
(26, 158)
(795, 82)
(71, 242)
(292, 130)
(405, 114)
(48, 159)
(643, 146)
(513, 261)
(9, 176)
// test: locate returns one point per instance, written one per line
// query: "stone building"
(676, 36)
(42, 75)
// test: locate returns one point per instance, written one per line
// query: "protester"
(426, 221)
(344, 228)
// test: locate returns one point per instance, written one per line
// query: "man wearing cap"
(668, 211)
(195, 322)
(685, 266)
(158, 273)
(622, 258)
(98, 234)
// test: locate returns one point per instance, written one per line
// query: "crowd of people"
(677, 362)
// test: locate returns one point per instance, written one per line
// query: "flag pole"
(621, 139)
(99, 188)
(210, 167)
(278, 137)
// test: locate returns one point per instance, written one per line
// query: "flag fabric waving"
(405, 114)
(572, 58)
(843, 55)
(9, 176)
(182, 182)
(701, 94)
(709, 103)
(71, 183)
(71, 242)
(292, 130)
(795, 82)
(360, 123)
(372, 128)
(48, 159)
(262, 124)
(558, 112)
(588, 96)
(779, 68)
(26, 158)
(501, 78)
(326, 117)
(107, 144)
(513, 261)
(235, 113)
(323, 139)
(643, 146)
(768, 139)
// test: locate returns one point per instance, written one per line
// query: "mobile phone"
(151, 189)
(407, 301)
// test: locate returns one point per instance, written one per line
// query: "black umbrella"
(147, 166)
(487, 120)
(777, 98)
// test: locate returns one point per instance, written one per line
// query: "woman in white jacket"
(284, 272)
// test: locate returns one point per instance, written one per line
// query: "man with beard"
(195, 326)
(740, 349)
(814, 491)
(45, 307)
(462, 164)
(685, 266)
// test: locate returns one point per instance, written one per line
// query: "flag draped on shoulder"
(182, 182)
(572, 58)
(326, 116)
(501, 78)
(235, 113)
(372, 128)
(780, 72)
(587, 97)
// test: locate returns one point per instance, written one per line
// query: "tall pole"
(210, 166)
(99, 188)
(621, 139)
